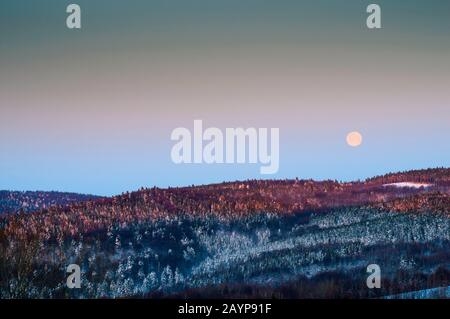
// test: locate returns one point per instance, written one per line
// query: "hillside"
(290, 239)
(438, 176)
(421, 203)
(13, 202)
(226, 200)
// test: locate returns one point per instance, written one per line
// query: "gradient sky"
(92, 110)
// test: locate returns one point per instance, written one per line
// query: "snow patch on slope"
(409, 184)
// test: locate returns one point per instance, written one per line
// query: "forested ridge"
(288, 239)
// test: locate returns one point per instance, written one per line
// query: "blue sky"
(92, 110)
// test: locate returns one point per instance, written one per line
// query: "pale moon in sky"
(354, 139)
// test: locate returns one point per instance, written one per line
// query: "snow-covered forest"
(256, 238)
(171, 255)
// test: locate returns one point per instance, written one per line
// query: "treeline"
(14, 202)
(227, 200)
(439, 176)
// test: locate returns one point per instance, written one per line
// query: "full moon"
(354, 139)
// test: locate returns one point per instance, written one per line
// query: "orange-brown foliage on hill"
(433, 202)
(226, 200)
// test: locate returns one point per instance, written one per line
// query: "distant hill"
(11, 202)
(225, 200)
(437, 176)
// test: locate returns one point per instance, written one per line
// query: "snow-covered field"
(434, 293)
(409, 184)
